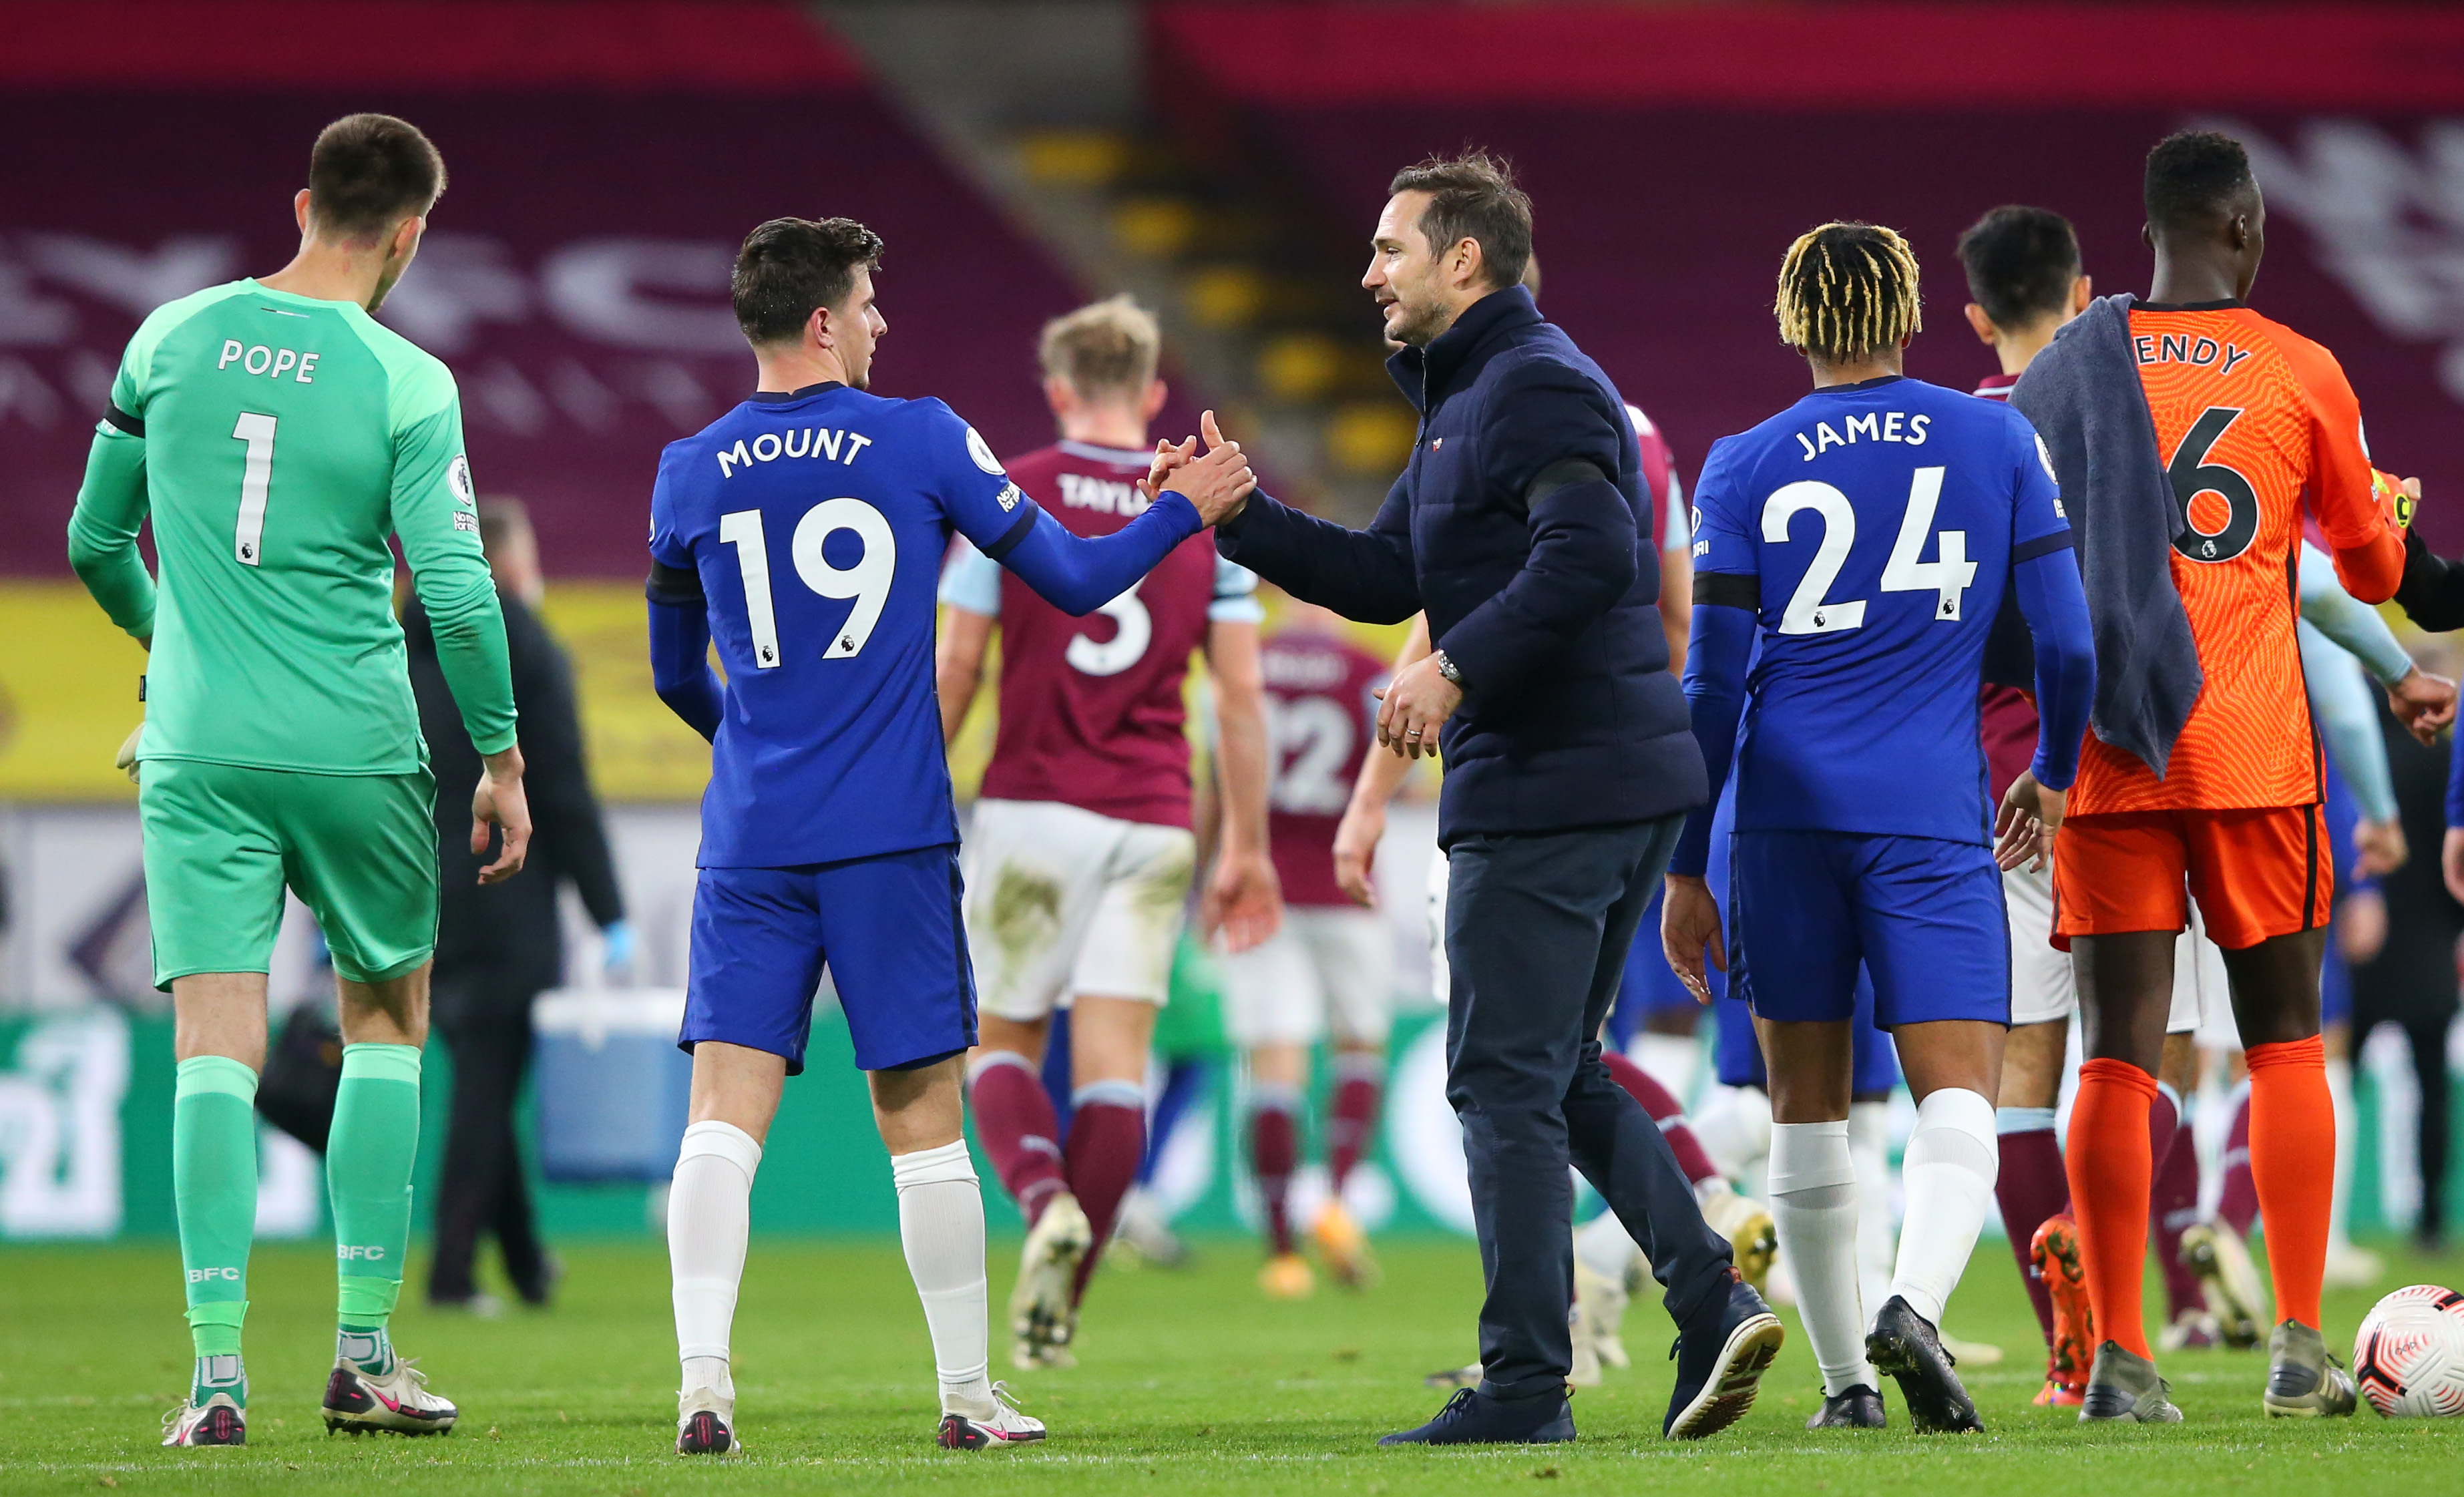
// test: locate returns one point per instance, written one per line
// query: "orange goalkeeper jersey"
(2253, 422)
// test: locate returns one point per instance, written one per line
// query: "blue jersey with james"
(804, 533)
(1855, 549)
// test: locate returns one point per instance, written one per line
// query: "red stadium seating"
(605, 158)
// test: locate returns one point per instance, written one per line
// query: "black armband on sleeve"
(1563, 473)
(1011, 539)
(134, 426)
(2042, 545)
(1730, 590)
(679, 586)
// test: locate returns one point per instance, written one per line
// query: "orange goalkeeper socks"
(2293, 1163)
(2110, 1166)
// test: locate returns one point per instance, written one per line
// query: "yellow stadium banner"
(68, 697)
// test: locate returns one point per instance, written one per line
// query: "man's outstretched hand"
(1218, 483)
(1689, 929)
(2424, 703)
(2024, 829)
(500, 803)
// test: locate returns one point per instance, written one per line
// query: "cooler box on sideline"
(612, 1084)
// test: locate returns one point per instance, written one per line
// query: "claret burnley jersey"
(1873, 528)
(1091, 711)
(816, 522)
(1321, 721)
(2254, 423)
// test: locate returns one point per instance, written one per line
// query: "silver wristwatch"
(1446, 668)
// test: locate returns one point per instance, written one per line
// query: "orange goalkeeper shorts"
(2255, 873)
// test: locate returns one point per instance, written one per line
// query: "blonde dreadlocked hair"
(1847, 291)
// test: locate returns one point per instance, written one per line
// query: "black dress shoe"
(1473, 1417)
(1903, 1344)
(1851, 1408)
(1721, 1353)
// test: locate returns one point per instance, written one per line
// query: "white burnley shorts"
(2042, 988)
(1063, 901)
(1328, 968)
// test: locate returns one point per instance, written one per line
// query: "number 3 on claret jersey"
(1949, 575)
(866, 582)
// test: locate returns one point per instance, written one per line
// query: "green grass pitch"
(1190, 1383)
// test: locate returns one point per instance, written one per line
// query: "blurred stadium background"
(1223, 162)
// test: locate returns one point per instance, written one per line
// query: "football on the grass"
(2409, 1355)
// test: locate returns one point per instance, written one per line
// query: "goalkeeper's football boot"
(1754, 1240)
(706, 1422)
(396, 1401)
(1005, 1425)
(219, 1420)
(2229, 1279)
(1906, 1346)
(1040, 1320)
(1853, 1408)
(2123, 1386)
(2055, 1254)
(2304, 1381)
(1343, 1247)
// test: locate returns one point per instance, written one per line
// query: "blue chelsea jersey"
(1871, 528)
(817, 523)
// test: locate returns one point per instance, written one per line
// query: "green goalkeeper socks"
(214, 1184)
(368, 1158)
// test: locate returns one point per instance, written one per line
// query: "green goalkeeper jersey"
(276, 441)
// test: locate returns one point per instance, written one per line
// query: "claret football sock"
(2030, 1186)
(2110, 1170)
(1352, 1118)
(1814, 1201)
(942, 1226)
(2173, 1199)
(1018, 1127)
(214, 1184)
(1274, 1152)
(1108, 1139)
(368, 1159)
(2293, 1165)
(1948, 1169)
(1665, 1110)
(2237, 1206)
(709, 1217)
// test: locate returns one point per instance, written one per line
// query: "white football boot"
(1006, 1425)
(219, 1420)
(398, 1401)
(1040, 1317)
(706, 1422)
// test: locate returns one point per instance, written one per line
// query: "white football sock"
(709, 1215)
(1949, 1167)
(941, 1226)
(1734, 1128)
(1869, 1144)
(1603, 1245)
(2340, 1097)
(1669, 1059)
(1814, 1201)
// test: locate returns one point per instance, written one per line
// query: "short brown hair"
(2021, 264)
(368, 172)
(789, 267)
(1473, 196)
(1110, 347)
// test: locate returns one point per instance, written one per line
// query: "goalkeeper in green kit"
(275, 434)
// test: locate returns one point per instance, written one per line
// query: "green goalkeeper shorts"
(222, 841)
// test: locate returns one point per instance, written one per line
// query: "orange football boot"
(2055, 1250)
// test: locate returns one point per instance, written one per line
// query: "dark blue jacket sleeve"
(680, 663)
(1367, 575)
(1079, 574)
(2456, 784)
(2055, 606)
(1583, 536)
(1717, 655)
